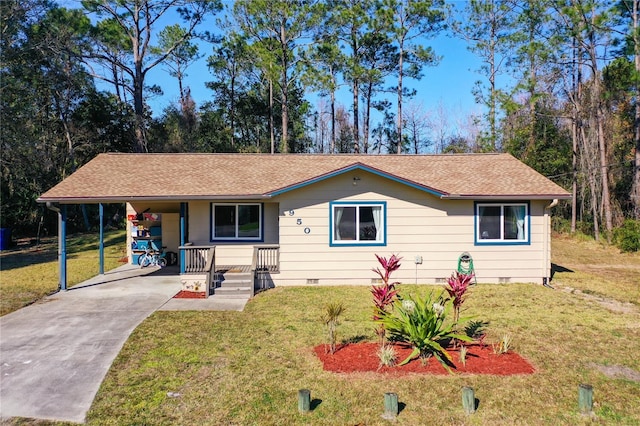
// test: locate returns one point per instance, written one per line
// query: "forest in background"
(558, 84)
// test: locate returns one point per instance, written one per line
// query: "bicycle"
(152, 257)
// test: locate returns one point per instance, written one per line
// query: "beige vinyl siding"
(171, 231)
(230, 253)
(418, 224)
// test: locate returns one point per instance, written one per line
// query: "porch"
(200, 273)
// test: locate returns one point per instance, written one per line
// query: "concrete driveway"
(55, 353)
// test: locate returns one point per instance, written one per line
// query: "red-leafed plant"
(388, 266)
(383, 296)
(385, 293)
(457, 286)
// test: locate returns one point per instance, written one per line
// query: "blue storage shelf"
(145, 243)
(146, 233)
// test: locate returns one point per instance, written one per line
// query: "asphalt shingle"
(116, 176)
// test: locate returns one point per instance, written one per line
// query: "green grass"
(245, 368)
(597, 268)
(30, 272)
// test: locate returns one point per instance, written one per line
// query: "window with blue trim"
(358, 223)
(236, 222)
(505, 223)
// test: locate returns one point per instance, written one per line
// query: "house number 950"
(299, 221)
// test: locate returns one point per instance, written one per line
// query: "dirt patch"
(618, 372)
(362, 357)
(608, 303)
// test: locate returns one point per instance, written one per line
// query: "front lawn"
(245, 368)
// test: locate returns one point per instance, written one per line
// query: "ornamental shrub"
(627, 237)
(457, 286)
(384, 294)
(332, 312)
(420, 323)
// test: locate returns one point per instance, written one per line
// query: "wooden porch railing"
(266, 260)
(195, 258)
(198, 260)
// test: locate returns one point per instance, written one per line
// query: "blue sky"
(446, 86)
(449, 83)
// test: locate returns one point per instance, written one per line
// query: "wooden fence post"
(468, 400)
(304, 400)
(390, 406)
(585, 398)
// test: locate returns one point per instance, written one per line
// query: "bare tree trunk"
(602, 145)
(635, 190)
(271, 129)
(332, 148)
(138, 108)
(285, 93)
(577, 90)
(588, 157)
(356, 116)
(138, 82)
(400, 75)
(492, 84)
(356, 112)
(232, 110)
(574, 178)
(366, 118)
(532, 91)
(116, 82)
(606, 198)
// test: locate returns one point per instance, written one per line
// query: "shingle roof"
(124, 177)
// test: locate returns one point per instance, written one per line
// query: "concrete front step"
(232, 293)
(234, 285)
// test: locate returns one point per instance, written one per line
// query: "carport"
(60, 205)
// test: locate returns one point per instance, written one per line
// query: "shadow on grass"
(315, 403)
(354, 339)
(559, 268)
(33, 253)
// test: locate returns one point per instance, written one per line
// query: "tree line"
(558, 84)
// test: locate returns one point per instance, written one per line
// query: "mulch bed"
(182, 294)
(362, 357)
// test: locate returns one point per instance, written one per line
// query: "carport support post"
(183, 214)
(62, 246)
(101, 243)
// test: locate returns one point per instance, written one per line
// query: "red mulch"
(362, 357)
(190, 295)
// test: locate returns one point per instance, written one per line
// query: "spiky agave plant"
(420, 323)
(332, 312)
